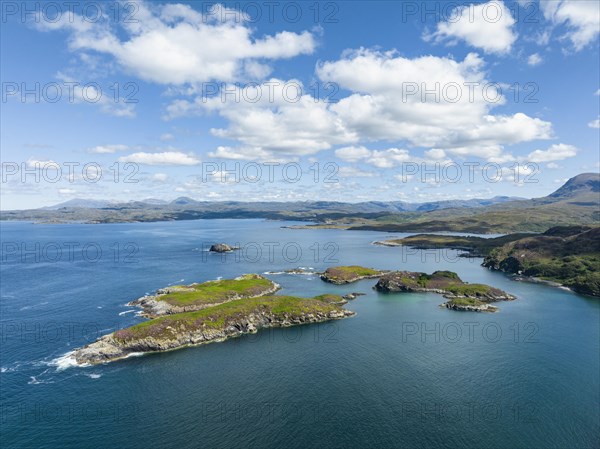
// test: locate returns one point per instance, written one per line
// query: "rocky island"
(460, 295)
(222, 248)
(210, 321)
(348, 274)
(189, 298)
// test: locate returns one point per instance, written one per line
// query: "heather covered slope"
(572, 259)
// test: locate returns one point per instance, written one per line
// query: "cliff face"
(121, 344)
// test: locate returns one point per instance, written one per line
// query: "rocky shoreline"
(112, 347)
(461, 295)
(348, 274)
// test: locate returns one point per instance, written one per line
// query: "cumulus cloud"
(581, 18)
(352, 154)
(164, 158)
(160, 177)
(390, 100)
(353, 172)
(175, 44)
(594, 123)
(534, 59)
(556, 152)
(488, 26)
(108, 149)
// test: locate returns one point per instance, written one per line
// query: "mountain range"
(576, 202)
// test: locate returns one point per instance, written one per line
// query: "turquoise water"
(402, 373)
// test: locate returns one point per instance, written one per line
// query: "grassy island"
(349, 273)
(461, 295)
(214, 322)
(187, 298)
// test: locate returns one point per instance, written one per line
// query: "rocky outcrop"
(470, 307)
(222, 248)
(119, 345)
(351, 296)
(461, 295)
(348, 274)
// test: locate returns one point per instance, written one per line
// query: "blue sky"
(532, 70)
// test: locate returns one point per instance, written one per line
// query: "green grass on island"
(563, 255)
(348, 273)
(446, 282)
(466, 302)
(475, 246)
(567, 255)
(219, 316)
(214, 292)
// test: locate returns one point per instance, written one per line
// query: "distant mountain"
(577, 202)
(153, 201)
(586, 184)
(182, 200)
(81, 202)
(363, 207)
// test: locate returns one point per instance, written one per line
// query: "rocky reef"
(189, 298)
(461, 295)
(348, 274)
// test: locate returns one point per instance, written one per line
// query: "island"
(211, 323)
(564, 256)
(348, 274)
(189, 298)
(461, 295)
(222, 248)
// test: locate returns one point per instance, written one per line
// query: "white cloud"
(67, 191)
(581, 18)
(556, 152)
(435, 153)
(38, 164)
(160, 177)
(353, 172)
(384, 109)
(380, 107)
(352, 154)
(553, 166)
(164, 158)
(108, 149)
(389, 158)
(167, 137)
(594, 123)
(175, 44)
(488, 26)
(534, 59)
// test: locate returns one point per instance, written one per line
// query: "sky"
(292, 101)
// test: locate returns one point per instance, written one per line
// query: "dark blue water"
(402, 373)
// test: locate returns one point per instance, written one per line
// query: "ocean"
(402, 373)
